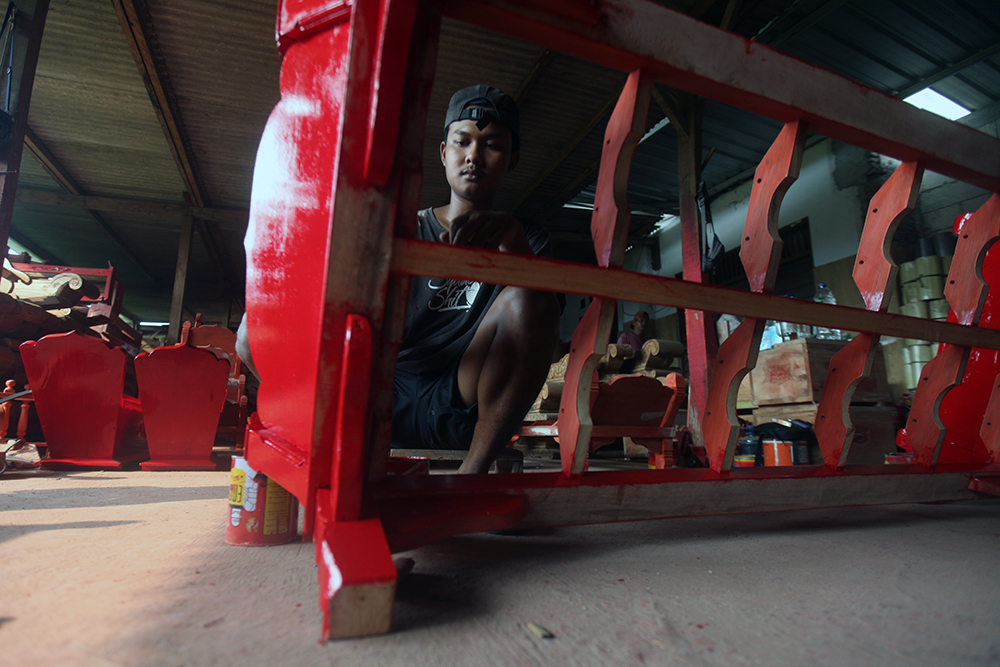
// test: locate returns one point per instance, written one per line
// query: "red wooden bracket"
(849, 366)
(923, 426)
(760, 249)
(609, 226)
(875, 275)
(874, 271)
(348, 475)
(590, 342)
(760, 252)
(737, 357)
(610, 222)
(966, 292)
(387, 85)
(990, 431)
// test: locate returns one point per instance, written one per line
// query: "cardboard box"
(795, 372)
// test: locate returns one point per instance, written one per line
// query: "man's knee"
(533, 312)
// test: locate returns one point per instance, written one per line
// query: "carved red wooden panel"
(874, 271)
(760, 248)
(590, 342)
(966, 292)
(760, 252)
(875, 276)
(990, 431)
(849, 366)
(610, 222)
(923, 426)
(609, 225)
(737, 357)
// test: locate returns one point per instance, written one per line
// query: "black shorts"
(427, 412)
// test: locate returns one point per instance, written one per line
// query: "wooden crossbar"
(422, 258)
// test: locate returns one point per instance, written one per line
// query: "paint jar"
(800, 453)
(261, 513)
(777, 452)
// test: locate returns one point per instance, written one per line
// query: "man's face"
(475, 161)
(639, 324)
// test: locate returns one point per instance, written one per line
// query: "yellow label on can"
(276, 509)
(237, 485)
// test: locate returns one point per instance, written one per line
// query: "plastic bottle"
(770, 337)
(825, 295)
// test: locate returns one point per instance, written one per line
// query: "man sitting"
(474, 356)
(633, 334)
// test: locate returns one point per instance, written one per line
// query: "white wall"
(835, 224)
(835, 216)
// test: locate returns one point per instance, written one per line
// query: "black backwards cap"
(485, 104)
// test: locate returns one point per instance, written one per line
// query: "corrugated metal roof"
(92, 112)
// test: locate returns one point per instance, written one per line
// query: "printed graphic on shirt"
(452, 294)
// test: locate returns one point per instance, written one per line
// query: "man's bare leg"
(504, 368)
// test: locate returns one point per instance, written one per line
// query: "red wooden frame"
(339, 170)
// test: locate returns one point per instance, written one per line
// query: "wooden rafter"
(25, 42)
(568, 148)
(131, 206)
(62, 176)
(539, 66)
(948, 71)
(134, 19)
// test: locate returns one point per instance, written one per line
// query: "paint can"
(800, 453)
(777, 452)
(261, 512)
(744, 461)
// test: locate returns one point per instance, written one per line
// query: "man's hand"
(488, 229)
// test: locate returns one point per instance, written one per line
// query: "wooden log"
(658, 354)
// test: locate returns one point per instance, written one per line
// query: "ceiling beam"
(55, 169)
(774, 34)
(948, 71)
(568, 148)
(134, 19)
(35, 249)
(539, 66)
(132, 206)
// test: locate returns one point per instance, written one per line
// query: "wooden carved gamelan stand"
(337, 185)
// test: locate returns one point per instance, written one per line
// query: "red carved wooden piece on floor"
(233, 421)
(77, 383)
(760, 252)
(182, 390)
(875, 275)
(966, 293)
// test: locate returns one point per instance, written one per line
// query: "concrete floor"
(129, 568)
